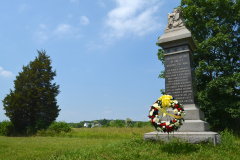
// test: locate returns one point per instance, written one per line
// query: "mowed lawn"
(113, 143)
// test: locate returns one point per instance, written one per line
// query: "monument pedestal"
(178, 45)
(194, 129)
(190, 137)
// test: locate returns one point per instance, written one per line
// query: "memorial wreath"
(164, 102)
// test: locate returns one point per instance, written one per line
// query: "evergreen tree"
(104, 122)
(33, 103)
(214, 25)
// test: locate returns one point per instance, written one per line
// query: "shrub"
(6, 128)
(59, 126)
(138, 124)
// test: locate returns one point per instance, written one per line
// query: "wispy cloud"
(84, 20)
(70, 16)
(107, 112)
(22, 7)
(5, 73)
(92, 45)
(42, 33)
(63, 30)
(101, 3)
(74, 1)
(132, 18)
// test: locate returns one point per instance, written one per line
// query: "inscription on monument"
(179, 77)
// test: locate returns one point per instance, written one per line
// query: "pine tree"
(32, 103)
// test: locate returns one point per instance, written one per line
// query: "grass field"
(112, 143)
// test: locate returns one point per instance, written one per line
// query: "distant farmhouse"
(87, 124)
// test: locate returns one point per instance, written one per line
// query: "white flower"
(167, 123)
(158, 123)
(178, 113)
(176, 124)
(156, 120)
(163, 127)
(175, 101)
(175, 111)
(151, 112)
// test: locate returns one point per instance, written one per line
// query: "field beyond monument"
(113, 143)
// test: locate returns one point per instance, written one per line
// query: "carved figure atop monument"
(175, 19)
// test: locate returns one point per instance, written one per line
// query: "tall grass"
(113, 143)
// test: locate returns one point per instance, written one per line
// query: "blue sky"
(103, 51)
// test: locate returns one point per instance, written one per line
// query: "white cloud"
(5, 73)
(63, 29)
(132, 18)
(74, 1)
(84, 20)
(101, 3)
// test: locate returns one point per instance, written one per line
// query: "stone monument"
(178, 45)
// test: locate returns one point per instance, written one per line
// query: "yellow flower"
(166, 100)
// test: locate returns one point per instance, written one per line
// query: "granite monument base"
(189, 137)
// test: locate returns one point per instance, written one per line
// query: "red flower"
(155, 109)
(152, 121)
(179, 109)
(167, 130)
(164, 124)
(167, 126)
(176, 106)
(155, 101)
(152, 117)
(171, 128)
(174, 121)
(161, 125)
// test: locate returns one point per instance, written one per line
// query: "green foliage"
(104, 122)
(6, 128)
(60, 126)
(138, 124)
(214, 25)
(95, 122)
(33, 102)
(128, 123)
(116, 123)
(90, 125)
(77, 125)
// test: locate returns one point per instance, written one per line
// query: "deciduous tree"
(214, 25)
